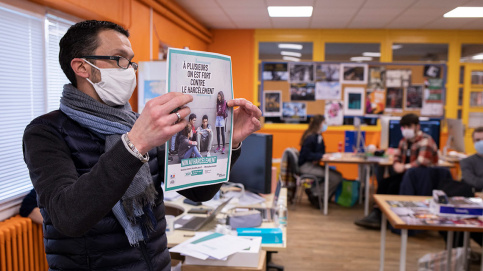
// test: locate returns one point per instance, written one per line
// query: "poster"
(432, 109)
(375, 101)
(327, 72)
(398, 78)
(302, 92)
(377, 77)
(301, 72)
(394, 99)
(294, 111)
(272, 101)
(207, 77)
(414, 97)
(353, 101)
(328, 91)
(353, 74)
(334, 113)
(275, 71)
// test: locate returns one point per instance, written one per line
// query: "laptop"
(194, 223)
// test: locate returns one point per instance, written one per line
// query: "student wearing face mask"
(415, 149)
(98, 167)
(312, 149)
(472, 166)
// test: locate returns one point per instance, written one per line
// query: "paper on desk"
(183, 250)
(219, 246)
(247, 198)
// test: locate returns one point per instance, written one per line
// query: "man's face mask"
(116, 85)
(408, 133)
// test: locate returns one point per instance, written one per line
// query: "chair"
(293, 179)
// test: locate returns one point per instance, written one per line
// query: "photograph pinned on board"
(398, 78)
(354, 73)
(327, 72)
(394, 99)
(275, 72)
(302, 92)
(377, 77)
(301, 73)
(375, 101)
(432, 71)
(414, 97)
(272, 103)
(294, 111)
(334, 114)
(432, 109)
(354, 101)
(328, 91)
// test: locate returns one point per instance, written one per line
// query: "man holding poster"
(97, 166)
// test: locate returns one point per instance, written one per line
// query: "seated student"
(29, 208)
(187, 147)
(205, 136)
(313, 148)
(415, 149)
(472, 166)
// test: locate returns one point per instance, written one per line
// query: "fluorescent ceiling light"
(290, 46)
(373, 54)
(361, 58)
(465, 12)
(397, 46)
(290, 58)
(478, 56)
(290, 11)
(295, 54)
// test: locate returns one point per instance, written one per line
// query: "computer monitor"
(431, 127)
(456, 135)
(384, 120)
(253, 168)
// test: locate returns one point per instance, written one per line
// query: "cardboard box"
(245, 258)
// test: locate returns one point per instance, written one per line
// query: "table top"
(399, 223)
(179, 236)
(347, 158)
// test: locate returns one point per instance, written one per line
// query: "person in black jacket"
(97, 166)
(312, 149)
(29, 208)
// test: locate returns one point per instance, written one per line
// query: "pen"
(188, 235)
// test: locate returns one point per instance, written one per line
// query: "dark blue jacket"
(78, 183)
(312, 149)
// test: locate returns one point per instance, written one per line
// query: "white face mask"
(116, 85)
(407, 133)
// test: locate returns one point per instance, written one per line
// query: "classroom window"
(471, 53)
(352, 52)
(30, 85)
(285, 51)
(420, 52)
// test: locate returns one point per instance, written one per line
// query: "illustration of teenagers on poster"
(200, 154)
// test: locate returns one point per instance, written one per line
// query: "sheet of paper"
(219, 246)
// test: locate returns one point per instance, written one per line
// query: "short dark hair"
(476, 130)
(186, 131)
(192, 116)
(408, 120)
(81, 40)
(205, 117)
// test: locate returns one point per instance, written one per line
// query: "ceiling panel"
(291, 22)
(388, 4)
(440, 3)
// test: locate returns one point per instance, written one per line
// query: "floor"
(333, 242)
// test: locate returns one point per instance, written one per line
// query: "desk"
(398, 223)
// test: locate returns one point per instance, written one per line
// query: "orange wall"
(239, 45)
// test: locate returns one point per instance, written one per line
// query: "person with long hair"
(221, 114)
(312, 149)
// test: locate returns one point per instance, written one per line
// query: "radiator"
(21, 245)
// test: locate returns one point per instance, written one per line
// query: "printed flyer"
(200, 154)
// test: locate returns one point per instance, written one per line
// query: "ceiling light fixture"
(290, 46)
(295, 54)
(291, 58)
(361, 58)
(397, 46)
(478, 57)
(290, 11)
(373, 54)
(465, 12)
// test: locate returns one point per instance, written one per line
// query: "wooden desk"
(179, 236)
(398, 223)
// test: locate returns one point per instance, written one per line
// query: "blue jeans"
(191, 150)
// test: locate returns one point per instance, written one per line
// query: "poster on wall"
(354, 74)
(432, 109)
(353, 101)
(208, 78)
(327, 72)
(302, 92)
(377, 77)
(301, 73)
(333, 113)
(394, 99)
(294, 111)
(272, 103)
(328, 91)
(414, 97)
(432, 71)
(375, 101)
(275, 71)
(398, 78)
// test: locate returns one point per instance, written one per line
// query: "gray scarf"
(134, 210)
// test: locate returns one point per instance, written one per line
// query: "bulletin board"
(294, 91)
